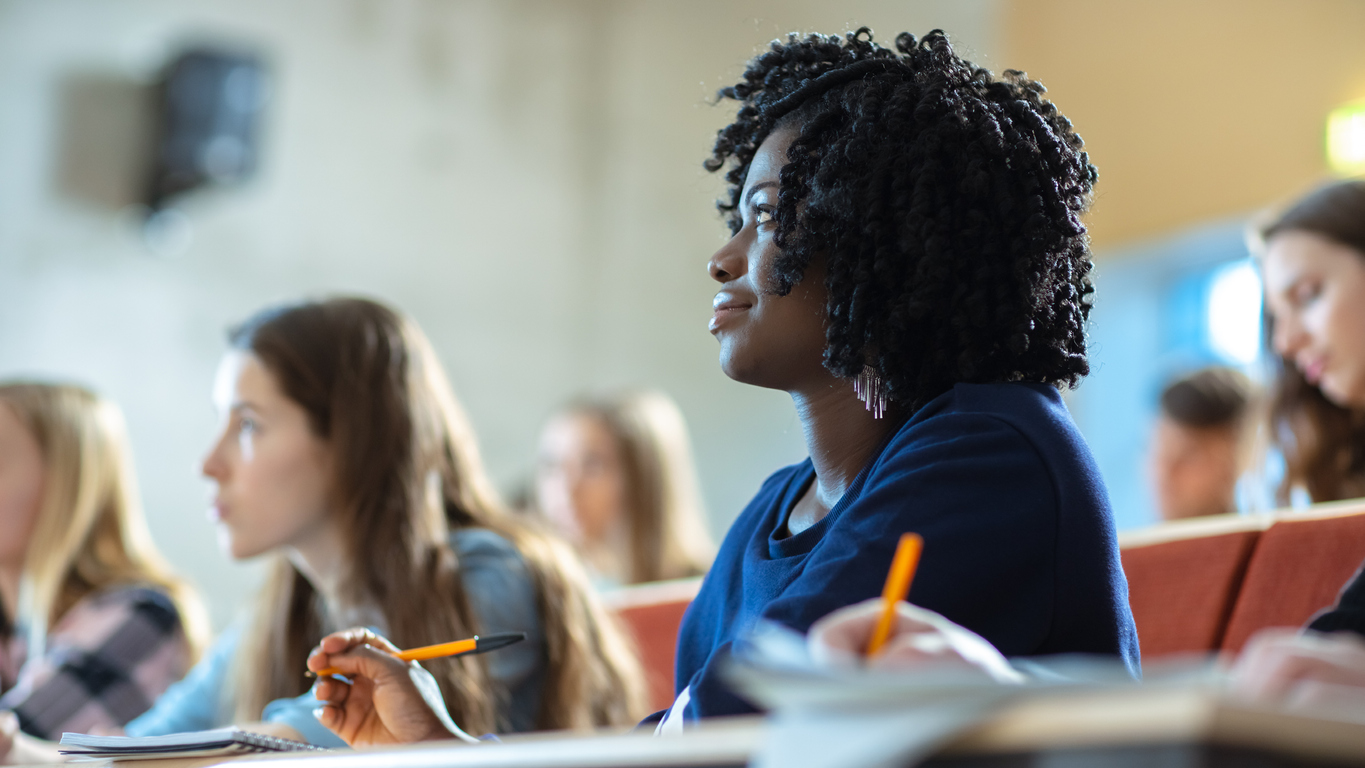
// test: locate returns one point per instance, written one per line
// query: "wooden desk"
(1138, 727)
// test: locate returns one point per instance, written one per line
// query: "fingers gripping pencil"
(897, 587)
(474, 644)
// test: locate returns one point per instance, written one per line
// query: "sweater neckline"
(799, 482)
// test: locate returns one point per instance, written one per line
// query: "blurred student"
(615, 477)
(1321, 668)
(93, 624)
(1198, 443)
(1313, 267)
(907, 262)
(343, 454)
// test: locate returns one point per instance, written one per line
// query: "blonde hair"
(408, 471)
(664, 510)
(90, 533)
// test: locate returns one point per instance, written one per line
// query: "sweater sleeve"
(197, 702)
(1349, 612)
(105, 662)
(985, 503)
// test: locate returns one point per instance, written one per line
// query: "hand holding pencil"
(389, 700)
(887, 632)
(474, 644)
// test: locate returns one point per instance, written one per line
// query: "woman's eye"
(763, 216)
(1307, 293)
(246, 426)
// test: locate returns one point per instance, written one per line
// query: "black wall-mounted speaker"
(209, 106)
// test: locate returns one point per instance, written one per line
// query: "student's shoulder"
(146, 612)
(769, 495)
(777, 481)
(482, 548)
(973, 408)
(986, 431)
(146, 602)
(1004, 400)
(490, 562)
(1023, 413)
(770, 492)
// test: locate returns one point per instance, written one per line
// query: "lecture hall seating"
(1207, 584)
(653, 612)
(1299, 565)
(1183, 580)
(1194, 586)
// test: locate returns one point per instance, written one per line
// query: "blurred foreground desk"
(1137, 727)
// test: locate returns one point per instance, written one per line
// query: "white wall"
(522, 177)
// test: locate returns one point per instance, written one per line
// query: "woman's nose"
(213, 465)
(728, 262)
(1287, 337)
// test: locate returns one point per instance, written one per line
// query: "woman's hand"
(388, 701)
(18, 748)
(9, 728)
(919, 637)
(1302, 670)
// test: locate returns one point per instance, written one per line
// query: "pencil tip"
(500, 640)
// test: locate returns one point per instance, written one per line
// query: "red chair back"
(1182, 590)
(1298, 567)
(653, 613)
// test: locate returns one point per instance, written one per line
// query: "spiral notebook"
(220, 741)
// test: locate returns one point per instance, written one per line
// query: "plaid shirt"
(106, 661)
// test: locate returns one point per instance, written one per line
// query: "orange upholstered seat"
(1299, 565)
(653, 613)
(1182, 588)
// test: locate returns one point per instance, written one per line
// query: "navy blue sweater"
(1018, 540)
(1349, 612)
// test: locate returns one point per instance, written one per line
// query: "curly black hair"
(945, 201)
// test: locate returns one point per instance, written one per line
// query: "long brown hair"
(90, 533)
(407, 469)
(664, 512)
(1323, 443)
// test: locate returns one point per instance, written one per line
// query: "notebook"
(220, 741)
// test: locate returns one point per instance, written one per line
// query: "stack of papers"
(835, 718)
(221, 741)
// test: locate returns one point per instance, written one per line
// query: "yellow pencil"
(897, 587)
(474, 644)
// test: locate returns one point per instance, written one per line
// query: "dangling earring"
(870, 388)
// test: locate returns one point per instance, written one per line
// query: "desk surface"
(1134, 726)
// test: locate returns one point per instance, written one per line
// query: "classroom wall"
(1192, 111)
(523, 177)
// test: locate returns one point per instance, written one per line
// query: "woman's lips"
(217, 512)
(726, 310)
(1313, 370)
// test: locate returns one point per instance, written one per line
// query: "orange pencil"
(474, 644)
(897, 587)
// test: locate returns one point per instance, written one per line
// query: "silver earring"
(870, 388)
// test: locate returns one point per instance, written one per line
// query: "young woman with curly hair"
(904, 225)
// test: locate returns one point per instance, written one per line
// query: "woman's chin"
(237, 548)
(1346, 395)
(740, 367)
